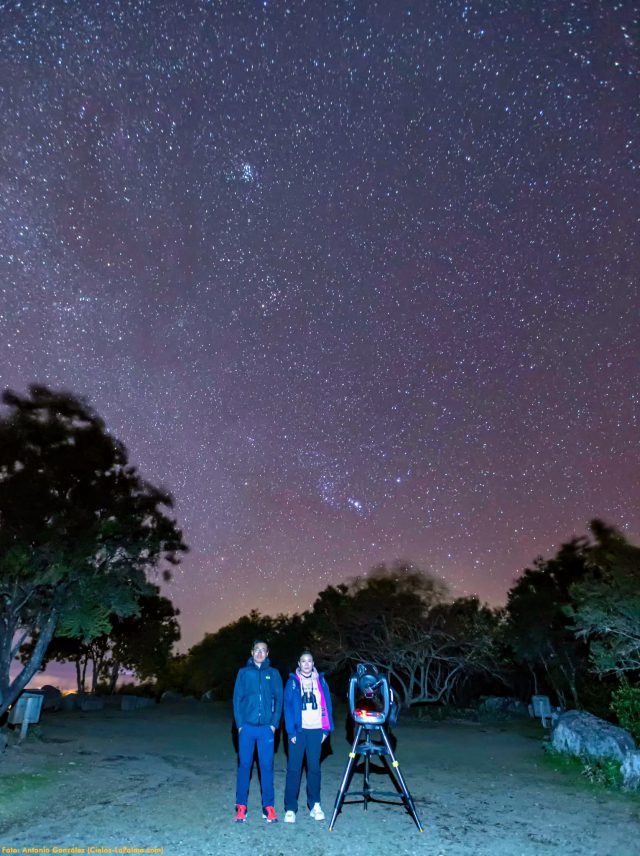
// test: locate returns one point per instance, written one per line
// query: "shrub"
(604, 772)
(601, 772)
(625, 703)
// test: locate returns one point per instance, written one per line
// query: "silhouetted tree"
(606, 602)
(345, 619)
(214, 662)
(400, 618)
(538, 628)
(143, 643)
(79, 529)
(176, 676)
(61, 649)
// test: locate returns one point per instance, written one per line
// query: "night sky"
(355, 281)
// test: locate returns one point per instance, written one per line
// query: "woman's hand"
(324, 737)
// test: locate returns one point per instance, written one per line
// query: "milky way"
(354, 280)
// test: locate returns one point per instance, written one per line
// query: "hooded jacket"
(257, 695)
(293, 705)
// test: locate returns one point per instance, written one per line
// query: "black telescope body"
(369, 696)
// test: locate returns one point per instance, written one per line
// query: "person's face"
(259, 653)
(306, 664)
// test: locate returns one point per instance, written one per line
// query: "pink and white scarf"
(307, 684)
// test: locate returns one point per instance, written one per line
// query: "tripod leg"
(366, 789)
(345, 779)
(408, 799)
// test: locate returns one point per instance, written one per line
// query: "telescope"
(370, 697)
(371, 705)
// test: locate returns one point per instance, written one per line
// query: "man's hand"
(293, 739)
(324, 737)
(273, 729)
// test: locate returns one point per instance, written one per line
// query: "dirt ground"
(163, 779)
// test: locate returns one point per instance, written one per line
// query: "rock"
(89, 703)
(516, 707)
(111, 702)
(132, 702)
(503, 706)
(169, 695)
(630, 770)
(70, 701)
(4, 740)
(208, 696)
(581, 733)
(52, 697)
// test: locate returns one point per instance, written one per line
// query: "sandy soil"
(164, 779)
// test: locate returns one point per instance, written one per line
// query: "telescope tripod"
(365, 748)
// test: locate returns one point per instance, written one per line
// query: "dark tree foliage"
(79, 529)
(397, 617)
(141, 643)
(605, 606)
(345, 617)
(214, 662)
(400, 619)
(62, 649)
(176, 677)
(538, 628)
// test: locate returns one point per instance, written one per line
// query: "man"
(257, 706)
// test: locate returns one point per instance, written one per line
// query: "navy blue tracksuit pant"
(308, 740)
(248, 738)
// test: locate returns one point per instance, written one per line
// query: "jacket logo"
(267, 677)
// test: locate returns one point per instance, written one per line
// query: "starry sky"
(355, 281)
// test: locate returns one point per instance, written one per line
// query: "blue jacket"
(257, 695)
(293, 704)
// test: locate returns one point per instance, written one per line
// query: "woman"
(308, 720)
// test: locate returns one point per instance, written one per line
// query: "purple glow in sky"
(353, 280)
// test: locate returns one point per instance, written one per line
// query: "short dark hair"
(306, 651)
(259, 642)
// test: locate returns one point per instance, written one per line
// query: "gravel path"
(162, 780)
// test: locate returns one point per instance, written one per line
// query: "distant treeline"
(570, 629)
(81, 531)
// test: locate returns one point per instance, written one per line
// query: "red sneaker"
(269, 814)
(241, 813)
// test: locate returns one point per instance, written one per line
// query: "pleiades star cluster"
(355, 281)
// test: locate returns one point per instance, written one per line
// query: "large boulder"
(170, 696)
(630, 770)
(132, 702)
(90, 703)
(70, 701)
(581, 733)
(51, 697)
(503, 706)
